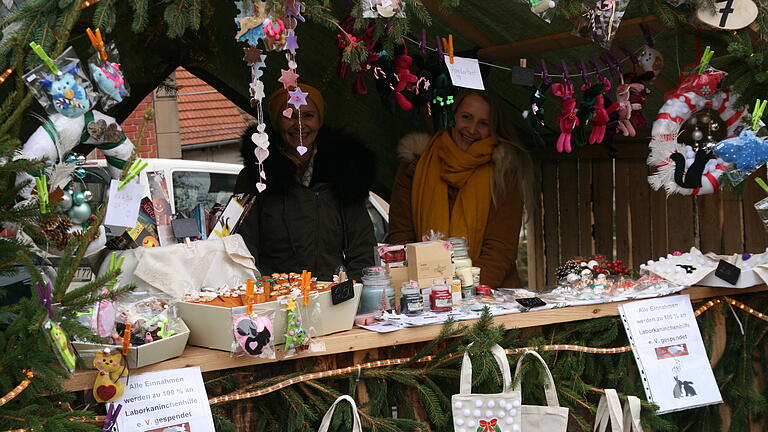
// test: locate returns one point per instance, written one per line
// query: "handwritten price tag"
(465, 72)
(123, 206)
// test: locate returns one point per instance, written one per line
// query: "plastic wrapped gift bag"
(600, 21)
(66, 90)
(108, 77)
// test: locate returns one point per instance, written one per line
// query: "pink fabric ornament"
(253, 335)
(405, 79)
(600, 119)
(567, 117)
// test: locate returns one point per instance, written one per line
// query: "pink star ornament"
(288, 78)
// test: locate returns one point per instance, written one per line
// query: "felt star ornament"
(288, 78)
(297, 97)
(292, 43)
(252, 55)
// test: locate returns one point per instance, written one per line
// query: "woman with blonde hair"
(470, 181)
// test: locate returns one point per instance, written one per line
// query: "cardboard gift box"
(427, 261)
(141, 355)
(211, 326)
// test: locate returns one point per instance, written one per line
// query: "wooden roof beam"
(559, 41)
(457, 22)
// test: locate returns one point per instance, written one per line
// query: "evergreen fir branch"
(181, 15)
(140, 15)
(105, 15)
(95, 298)
(91, 287)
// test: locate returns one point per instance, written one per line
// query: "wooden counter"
(359, 339)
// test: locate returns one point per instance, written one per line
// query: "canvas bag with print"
(549, 418)
(497, 412)
(326, 423)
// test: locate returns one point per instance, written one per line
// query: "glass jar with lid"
(378, 293)
(460, 252)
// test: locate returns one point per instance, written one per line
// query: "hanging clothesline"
(538, 74)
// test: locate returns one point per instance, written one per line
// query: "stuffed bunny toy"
(567, 117)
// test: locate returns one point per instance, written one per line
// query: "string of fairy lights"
(358, 368)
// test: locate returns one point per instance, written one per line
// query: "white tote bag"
(609, 411)
(494, 412)
(326, 423)
(549, 418)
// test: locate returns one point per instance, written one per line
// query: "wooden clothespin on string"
(544, 72)
(448, 45)
(97, 42)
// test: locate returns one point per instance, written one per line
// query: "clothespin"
(629, 53)
(762, 184)
(757, 114)
(615, 64)
(564, 69)
(44, 57)
(110, 420)
(115, 265)
(596, 68)
(523, 63)
(544, 72)
(449, 47)
(42, 193)
(423, 43)
(583, 70)
(306, 277)
(126, 338)
(439, 46)
(705, 58)
(133, 171)
(97, 42)
(46, 297)
(647, 34)
(608, 64)
(249, 289)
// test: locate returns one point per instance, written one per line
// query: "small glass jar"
(460, 254)
(475, 275)
(483, 290)
(440, 299)
(378, 293)
(411, 302)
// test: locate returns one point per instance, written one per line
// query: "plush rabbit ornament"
(405, 79)
(600, 119)
(625, 107)
(567, 117)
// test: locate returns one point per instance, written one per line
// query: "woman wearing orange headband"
(313, 214)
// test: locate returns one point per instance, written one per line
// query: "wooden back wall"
(592, 204)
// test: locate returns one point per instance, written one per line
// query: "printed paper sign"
(158, 190)
(228, 219)
(123, 206)
(670, 354)
(465, 72)
(166, 401)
